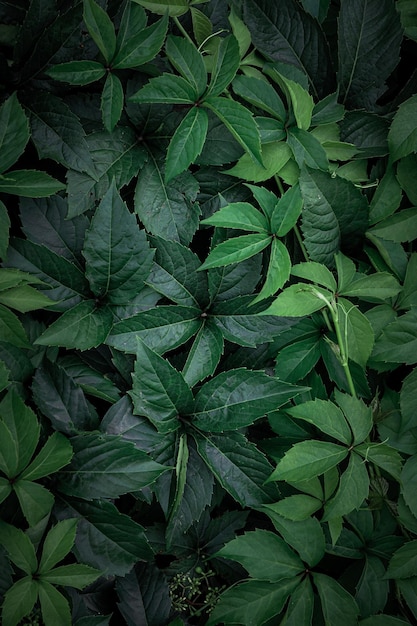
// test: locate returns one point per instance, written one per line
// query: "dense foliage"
(208, 312)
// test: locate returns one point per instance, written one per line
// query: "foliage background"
(208, 312)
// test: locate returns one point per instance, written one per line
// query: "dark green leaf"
(237, 398)
(367, 131)
(186, 143)
(370, 34)
(240, 122)
(54, 455)
(407, 481)
(286, 211)
(400, 227)
(386, 199)
(24, 429)
(188, 61)
(204, 354)
(4, 230)
(335, 212)
(238, 466)
(297, 359)
(117, 156)
(264, 555)
(240, 215)
(161, 329)
(307, 459)
(19, 600)
(62, 400)
(381, 286)
(77, 72)
(111, 102)
(301, 605)
(358, 415)
(372, 591)
(54, 606)
(236, 249)
(58, 543)
(100, 28)
(307, 150)
(19, 548)
(74, 575)
(298, 507)
(397, 342)
(24, 298)
(324, 415)
(14, 132)
(261, 94)
(133, 21)
(337, 604)
(83, 327)
(35, 500)
(161, 7)
(299, 300)
(142, 47)
(279, 268)
(104, 466)
(167, 210)
(11, 329)
(352, 491)
(403, 563)
(166, 89)
(29, 184)
(107, 539)
(225, 65)
(252, 602)
(159, 390)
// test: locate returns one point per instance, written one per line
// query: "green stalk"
(182, 29)
(343, 356)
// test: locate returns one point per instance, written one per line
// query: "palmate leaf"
(370, 34)
(299, 300)
(19, 547)
(11, 329)
(14, 132)
(104, 466)
(238, 398)
(186, 143)
(54, 455)
(118, 257)
(239, 466)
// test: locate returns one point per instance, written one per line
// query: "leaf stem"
(182, 29)
(343, 355)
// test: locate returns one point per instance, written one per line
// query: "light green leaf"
(14, 132)
(324, 415)
(117, 254)
(225, 65)
(58, 543)
(188, 61)
(35, 500)
(307, 150)
(19, 547)
(240, 215)
(77, 72)
(101, 28)
(159, 390)
(29, 184)
(111, 102)
(338, 606)
(301, 101)
(19, 601)
(278, 272)
(83, 327)
(287, 211)
(298, 507)
(240, 31)
(24, 298)
(299, 300)
(307, 459)
(379, 286)
(186, 143)
(141, 47)
(174, 8)
(352, 491)
(202, 26)
(240, 122)
(54, 455)
(315, 273)
(236, 249)
(402, 136)
(275, 156)
(54, 607)
(357, 413)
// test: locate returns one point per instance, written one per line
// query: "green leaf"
(188, 61)
(264, 555)
(297, 359)
(174, 8)
(159, 390)
(111, 102)
(260, 94)
(408, 398)
(402, 136)
(337, 604)
(142, 47)
(301, 605)
(4, 230)
(104, 466)
(240, 122)
(35, 500)
(287, 211)
(58, 543)
(202, 26)
(162, 328)
(357, 413)
(14, 132)
(307, 149)
(173, 203)
(399, 227)
(237, 398)
(398, 341)
(252, 602)
(371, 590)
(299, 300)
(22, 424)
(324, 415)
(107, 539)
(352, 491)
(236, 249)
(369, 37)
(186, 143)
(298, 507)
(279, 268)
(9, 459)
(275, 156)
(24, 298)
(240, 215)
(382, 456)
(101, 29)
(118, 257)
(380, 286)
(307, 459)
(166, 89)
(301, 101)
(403, 563)
(133, 21)
(83, 327)
(204, 354)
(386, 199)
(19, 547)
(29, 184)
(77, 72)
(78, 576)
(356, 331)
(239, 466)
(315, 273)
(335, 212)
(19, 601)
(225, 65)
(54, 455)
(407, 481)
(57, 132)
(54, 606)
